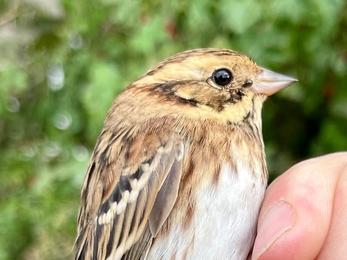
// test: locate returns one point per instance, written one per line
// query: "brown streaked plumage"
(179, 171)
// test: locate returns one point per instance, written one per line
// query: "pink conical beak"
(269, 82)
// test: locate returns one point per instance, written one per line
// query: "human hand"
(304, 213)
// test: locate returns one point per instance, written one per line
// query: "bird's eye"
(222, 77)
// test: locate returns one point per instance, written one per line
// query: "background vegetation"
(63, 62)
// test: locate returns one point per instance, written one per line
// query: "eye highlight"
(222, 77)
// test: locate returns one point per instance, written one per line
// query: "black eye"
(222, 77)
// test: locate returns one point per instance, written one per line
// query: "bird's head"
(208, 83)
(218, 80)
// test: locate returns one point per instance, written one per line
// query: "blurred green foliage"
(63, 62)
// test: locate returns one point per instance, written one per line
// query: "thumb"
(296, 212)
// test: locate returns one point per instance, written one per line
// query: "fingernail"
(277, 220)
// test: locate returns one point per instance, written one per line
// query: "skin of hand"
(304, 213)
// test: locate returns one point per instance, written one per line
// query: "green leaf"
(239, 15)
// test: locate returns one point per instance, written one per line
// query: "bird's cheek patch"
(185, 93)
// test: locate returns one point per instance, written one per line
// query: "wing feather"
(130, 189)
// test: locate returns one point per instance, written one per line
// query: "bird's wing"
(129, 190)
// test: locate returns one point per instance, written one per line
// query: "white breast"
(224, 222)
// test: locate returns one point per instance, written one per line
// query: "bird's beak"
(269, 82)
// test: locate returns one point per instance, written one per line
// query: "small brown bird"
(179, 170)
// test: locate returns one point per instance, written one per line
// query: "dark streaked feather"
(119, 227)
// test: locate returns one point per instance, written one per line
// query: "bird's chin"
(261, 97)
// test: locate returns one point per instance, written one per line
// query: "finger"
(295, 216)
(335, 246)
